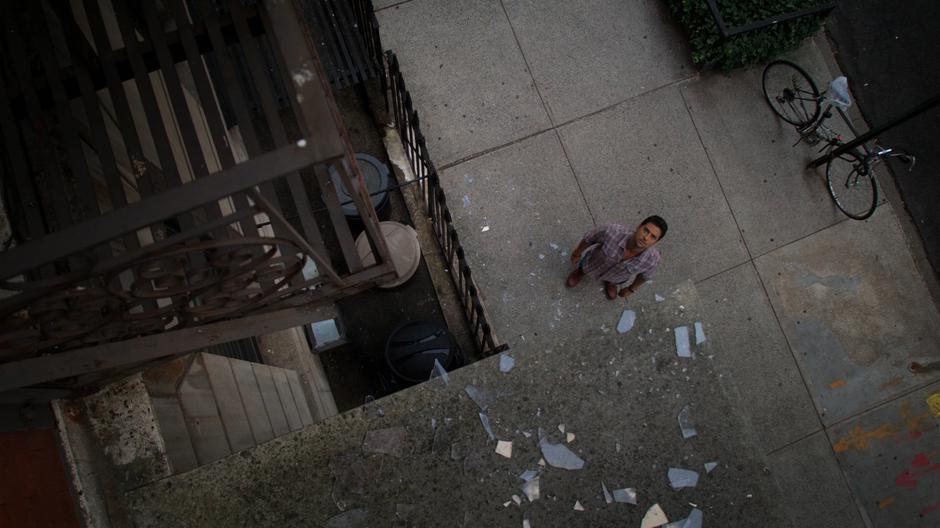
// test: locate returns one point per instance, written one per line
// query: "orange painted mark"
(911, 421)
(884, 503)
(890, 383)
(860, 439)
(837, 383)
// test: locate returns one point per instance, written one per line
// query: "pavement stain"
(860, 439)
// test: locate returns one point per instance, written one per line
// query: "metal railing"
(725, 31)
(435, 205)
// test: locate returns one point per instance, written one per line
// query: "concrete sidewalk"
(549, 117)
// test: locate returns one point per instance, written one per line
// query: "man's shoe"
(574, 278)
(610, 290)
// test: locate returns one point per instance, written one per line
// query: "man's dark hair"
(658, 222)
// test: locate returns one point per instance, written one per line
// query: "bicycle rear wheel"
(791, 93)
(852, 185)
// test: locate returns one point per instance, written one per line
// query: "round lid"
(374, 173)
(413, 347)
(402, 242)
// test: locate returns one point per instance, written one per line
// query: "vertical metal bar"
(353, 37)
(61, 213)
(35, 225)
(341, 72)
(340, 225)
(145, 88)
(67, 126)
(208, 103)
(143, 171)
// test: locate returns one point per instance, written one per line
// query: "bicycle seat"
(838, 93)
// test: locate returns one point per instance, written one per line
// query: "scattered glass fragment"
(627, 495)
(607, 496)
(516, 499)
(682, 478)
(504, 448)
(569, 437)
(655, 516)
(526, 434)
(485, 420)
(531, 489)
(390, 441)
(659, 298)
(699, 333)
(627, 319)
(525, 523)
(528, 475)
(466, 201)
(694, 520)
(710, 466)
(506, 504)
(480, 397)
(561, 427)
(685, 423)
(577, 506)
(559, 456)
(506, 363)
(618, 446)
(485, 229)
(438, 371)
(542, 462)
(682, 341)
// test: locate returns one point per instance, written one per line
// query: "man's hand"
(575, 257)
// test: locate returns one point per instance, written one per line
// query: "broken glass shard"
(516, 499)
(659, 298)
(504, 448)
(710, 466)
(654, 517)
(627, 319)
(485, 420)
(531, 489)
(482, 398)
(438, 371)
(561, 427)
(685, 423)
(569, 437)
(699, 333)
(506, 363)
(559, 456)
(525, 523)
(389, 441)
(694, 520)
(627, 495)
(607, 496)
(528, 475)
(682, 341)
(682, 478)
(577, 506)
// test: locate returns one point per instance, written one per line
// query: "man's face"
(647, 235)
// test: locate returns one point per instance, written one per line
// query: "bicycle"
(793, 96)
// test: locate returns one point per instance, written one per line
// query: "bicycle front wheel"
(852, 185)
(791, 93)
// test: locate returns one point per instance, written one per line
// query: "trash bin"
(376, 177)
(412, 348)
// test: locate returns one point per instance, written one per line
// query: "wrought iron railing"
(434, 203)
(175, 237)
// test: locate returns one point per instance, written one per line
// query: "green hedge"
(708, 49)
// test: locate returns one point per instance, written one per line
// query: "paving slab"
(855, 312)
(812, 485)
(466, 75)
(755, 357)
(643, 157)
(448, 473)
(588, 55)
(774, 199)
(382, 4)
(890, 458)
(527, 200)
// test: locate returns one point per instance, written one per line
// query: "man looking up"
(613, 253)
